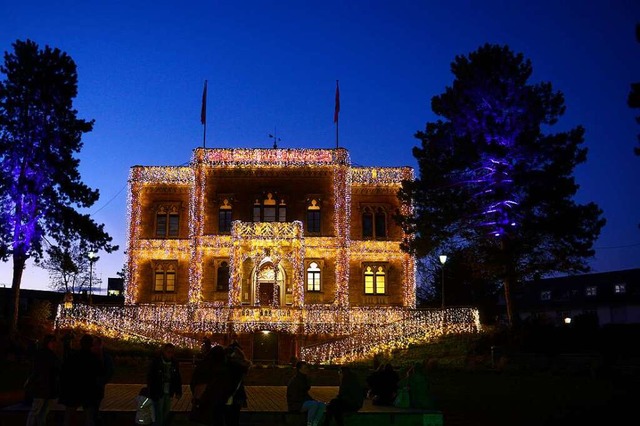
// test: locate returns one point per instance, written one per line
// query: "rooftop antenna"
(275, 138)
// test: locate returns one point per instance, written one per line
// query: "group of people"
(217, 385)
(350, 397)
(383, 387)
(78, 380)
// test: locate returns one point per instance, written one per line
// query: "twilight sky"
(272, 66)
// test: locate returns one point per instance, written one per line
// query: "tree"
(491, 183)
(634, 95)
(40, 185)
(69, 267)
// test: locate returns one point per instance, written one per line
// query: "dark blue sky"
(273, 64)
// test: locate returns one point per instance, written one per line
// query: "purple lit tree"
(492, 183)
(40, 184)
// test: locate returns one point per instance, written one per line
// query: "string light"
(354, 330)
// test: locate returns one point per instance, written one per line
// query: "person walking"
(211, 386)
(164, 382)
(298, 398)
(349, 399)
(106, 372)
(239, 366)
(43, 383)
(79, 382)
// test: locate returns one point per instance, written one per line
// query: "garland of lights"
(362, 332)
(248, 241)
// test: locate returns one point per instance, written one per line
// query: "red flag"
(203, 112)
(337, 110)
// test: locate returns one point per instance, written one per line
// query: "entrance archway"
(268, 284)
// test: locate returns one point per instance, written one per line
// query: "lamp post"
(443, 260)
(92, 258)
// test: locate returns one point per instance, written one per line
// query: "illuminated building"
(280, 249)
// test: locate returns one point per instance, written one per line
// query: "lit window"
(620, 288)
(164, 277)
(167, 221)
(374, 279)
(545, 295)
(374, 223)
(313, 217)
(313, 277)
(222, 277)
(224, 217)
(591, 291)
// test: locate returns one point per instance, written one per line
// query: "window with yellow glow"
(375, 279)
(313, 277)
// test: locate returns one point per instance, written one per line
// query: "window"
(620, 288)
(222, 277)
(374, 279)
(545, 295)
(313, 277)
(269, 210)
(591, 291)
(164, 277)
(167, 221)
(313, 217)
(224, 217)
(374, 223)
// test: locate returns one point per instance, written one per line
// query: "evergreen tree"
(40, 184)
(492, 183)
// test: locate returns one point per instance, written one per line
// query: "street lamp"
(92, 258)
(443, 260)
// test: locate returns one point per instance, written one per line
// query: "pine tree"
(40, 185)
(491, 182)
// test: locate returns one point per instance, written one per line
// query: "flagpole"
(336, 114)
(203, 115)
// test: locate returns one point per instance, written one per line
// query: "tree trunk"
(508, 278)
(507, 299)
(18, 266)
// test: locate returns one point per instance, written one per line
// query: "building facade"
(607, 297)
(266, 232)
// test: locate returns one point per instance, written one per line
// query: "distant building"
(115, 287)
(613, 297)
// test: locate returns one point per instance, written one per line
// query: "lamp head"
(443, 258)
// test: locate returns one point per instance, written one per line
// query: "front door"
(265, 347)
(266, 293)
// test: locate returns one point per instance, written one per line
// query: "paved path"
(121, 398)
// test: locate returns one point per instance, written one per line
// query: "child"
(145, 414)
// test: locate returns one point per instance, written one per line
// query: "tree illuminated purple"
(39, 179)
(492, 184)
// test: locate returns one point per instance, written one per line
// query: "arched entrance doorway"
(268, 284)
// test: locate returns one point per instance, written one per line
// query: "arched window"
(313, 277)
(374, 223)
(222, 277)
(367, 223)
(313, 217)
(164, 276)
(375, 279)
(224, 217)
(167, 220)
(381, 223)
